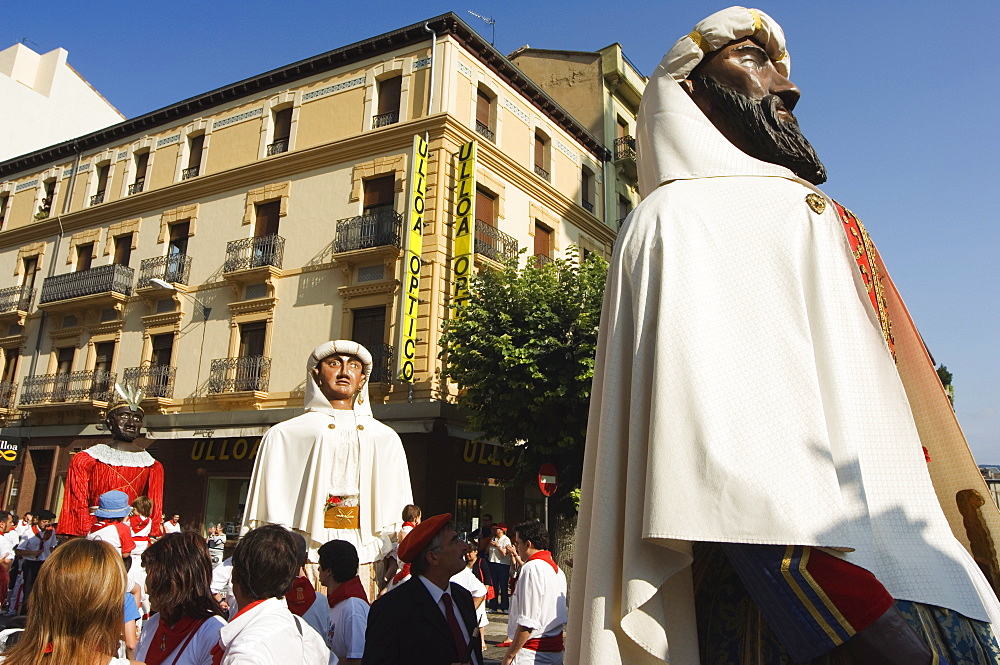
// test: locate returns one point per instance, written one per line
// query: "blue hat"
(113, 504)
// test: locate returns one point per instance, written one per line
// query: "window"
(30, 265)
(282, 131)
(624, 208)
(64, 366)
(103, 378)
(102, 184)
(179, 233)
(388, 102)
(162, 350)
(543, 242)
(621, 128)
(123, 249)
(485, 237)
(265, 233)
(541, 155)
(4, 204)
(141, 165)
(48, 198)
(380, 194)
(484, 109)
(587, 189)
(250, 371)
(10, 358)
(486, 207)
(196, 145)
(84, 255)
(369, 331)
(252, 339)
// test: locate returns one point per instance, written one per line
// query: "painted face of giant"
(125, 424)
(340, 377)
(744, 95)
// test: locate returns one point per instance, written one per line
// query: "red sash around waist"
(546, 644)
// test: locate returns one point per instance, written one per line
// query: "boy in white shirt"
(338, 571)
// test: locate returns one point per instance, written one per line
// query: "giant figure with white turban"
(334, 472)
(773, 472)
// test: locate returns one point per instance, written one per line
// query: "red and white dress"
(100, 469)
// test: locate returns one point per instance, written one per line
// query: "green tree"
(522, 352)
(949, 389)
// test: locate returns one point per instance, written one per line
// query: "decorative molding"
(524, 117)
(240, 117)
(368, 289)
(174, 215)
(422, 63)
(113, 327)
(162, 320)
(271, 192)
(257, 305)
(565, 149)
(176, 138)
(82, 238)
(333, 89)
(27, 251)
(463, 69)
(26, 185)
(66, 334)
(378, 166)
(120, 229)
(121, 155)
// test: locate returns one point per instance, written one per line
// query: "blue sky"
(899, 98)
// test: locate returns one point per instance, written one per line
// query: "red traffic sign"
(548, 479)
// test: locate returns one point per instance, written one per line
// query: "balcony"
(237, 375)
(155, 381)
(542, 172)
(8, 389)
(278, 147)
(485, 131)
(190, 172)
(625, 155)
(377, 228)
(136, 186)
(16, 301)
(381, 363)
(82, 389)
(251, 253)
(97, 198)
(493, 243)
(385, 119)
(539, 260)
(175, 269)
(106, 286)
(588, 206)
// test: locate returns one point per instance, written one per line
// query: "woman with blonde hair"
(75, 614)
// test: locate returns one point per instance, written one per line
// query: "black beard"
(767, 137)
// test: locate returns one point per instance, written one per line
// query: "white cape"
(743, 392)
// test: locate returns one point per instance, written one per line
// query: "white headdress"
(719, 29)
(315, 400)
(131, 395)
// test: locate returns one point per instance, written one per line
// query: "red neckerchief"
(409, 524)
(35, 529)
(137, 523)
(546, 556)
(301, 596)
(402, 574)
(217, 651)
(166, 638)
(352, 588)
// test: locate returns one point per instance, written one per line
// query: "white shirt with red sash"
(117, 534)
(539, 604)
(141, 527)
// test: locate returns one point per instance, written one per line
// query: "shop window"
(224, 503)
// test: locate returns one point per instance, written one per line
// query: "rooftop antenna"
(491, 22)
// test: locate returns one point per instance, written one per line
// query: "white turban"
(723, 27)
(315, 400)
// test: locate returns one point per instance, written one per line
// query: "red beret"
(500, 525)
(422, 534)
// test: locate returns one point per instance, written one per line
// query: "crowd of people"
(119, 596)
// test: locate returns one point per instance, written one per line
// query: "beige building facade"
(202, 250)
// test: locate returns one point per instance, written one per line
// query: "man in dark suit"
(427, 620)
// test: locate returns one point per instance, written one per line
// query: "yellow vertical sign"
(414, 246)
(464, 227)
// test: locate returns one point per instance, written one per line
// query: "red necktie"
(456, 630)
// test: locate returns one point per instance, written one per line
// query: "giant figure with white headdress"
(773, 472)
(334, 472)
(121, 464)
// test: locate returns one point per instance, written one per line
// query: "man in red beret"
(427, 620)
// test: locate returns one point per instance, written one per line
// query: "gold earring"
(361, 397)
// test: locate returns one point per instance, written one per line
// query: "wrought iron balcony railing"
(375, 229)
(97, 198)
(175, 268)
(136, 186)
(384, 119)
(485, 131)
(94, 385)
(153, 380)
(278, 147)
(381, 363)
(625, 148)
(103, 279)
(541, 259)
(588, 206)
(16, 299)
(542, 172)
(7, 391)
(493, 243)
(254, 253)
(233, 375)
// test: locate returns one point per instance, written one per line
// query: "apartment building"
(602, 90)
(202, 250)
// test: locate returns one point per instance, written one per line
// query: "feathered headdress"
(131, 395)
